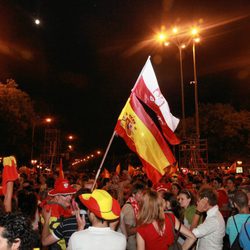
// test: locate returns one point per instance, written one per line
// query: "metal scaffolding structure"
(52, 148)
(193, 154)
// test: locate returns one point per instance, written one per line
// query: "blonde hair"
(152, 209)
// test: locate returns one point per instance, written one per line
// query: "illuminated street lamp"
(36, 122)
(70, 137)
(48, 120)
(37, 21)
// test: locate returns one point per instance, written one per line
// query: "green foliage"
(226, 129)
(16, 115)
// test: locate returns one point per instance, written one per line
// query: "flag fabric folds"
(118, 169)
(105, 174)
(9, 171)
(148, 91)
(143, 137)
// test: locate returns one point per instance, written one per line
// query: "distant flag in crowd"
(118, 169)
(148, 91)
(105, 174)
(131, 170)
(232, 168)
(9, 171)
(171, 169)
(61, 173)
(143, 137)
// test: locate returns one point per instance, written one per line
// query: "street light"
(35, 122)
(196, 39)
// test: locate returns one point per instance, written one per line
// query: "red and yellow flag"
(131, 170)
(142, 136)
(118, 169)
(9, 171)
(105, 174)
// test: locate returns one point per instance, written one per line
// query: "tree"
(16, 115)
(227, 131)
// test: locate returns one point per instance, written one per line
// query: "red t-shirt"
(155, 241)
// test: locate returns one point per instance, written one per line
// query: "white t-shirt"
(95, 238)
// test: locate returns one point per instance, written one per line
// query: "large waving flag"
(148, 91)
(142, 136)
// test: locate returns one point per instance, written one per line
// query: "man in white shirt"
(211, 232)
(103, 210)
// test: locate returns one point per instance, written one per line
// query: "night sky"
(80, 64)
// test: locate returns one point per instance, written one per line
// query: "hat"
(62, 187)
(102, 204)
(161, 187)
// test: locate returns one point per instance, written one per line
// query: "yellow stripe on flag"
(146, 145)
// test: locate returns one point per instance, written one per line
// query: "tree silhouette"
(16, 115)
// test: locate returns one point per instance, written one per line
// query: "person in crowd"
(231, 190)
(59, 207)
(102, 210)
(171, 204)
(27, 204)
(175, 189)
(161, 188)
(130, 212)
(15, 232)
(155, 229)
(235, 222)
(223, 201)
(187, 202)
(246, 189)
(69, 225)
(211, 232)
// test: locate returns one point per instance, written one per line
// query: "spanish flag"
(105, 174)
(142, 136)
(118, 169)
(148, 91)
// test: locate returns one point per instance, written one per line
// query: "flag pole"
(103, 159)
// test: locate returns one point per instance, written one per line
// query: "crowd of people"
(201, 210)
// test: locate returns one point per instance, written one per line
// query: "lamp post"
(197, 123)
(180, 47)
(162, 37)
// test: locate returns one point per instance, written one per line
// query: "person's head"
(137, 191)
(152, 208)
(186, 198)
(240, 200)
(217, 182)
(101, 206)
(15, 232)
(171, 203)
(62, 192)
(231, 183)
(27, 203)
(210, 194)
(175, 189)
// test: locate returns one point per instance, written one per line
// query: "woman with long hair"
(171, 204)
(155, 229)
(188, 204)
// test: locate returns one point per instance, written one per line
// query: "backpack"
(246, 240)
(236, 243)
